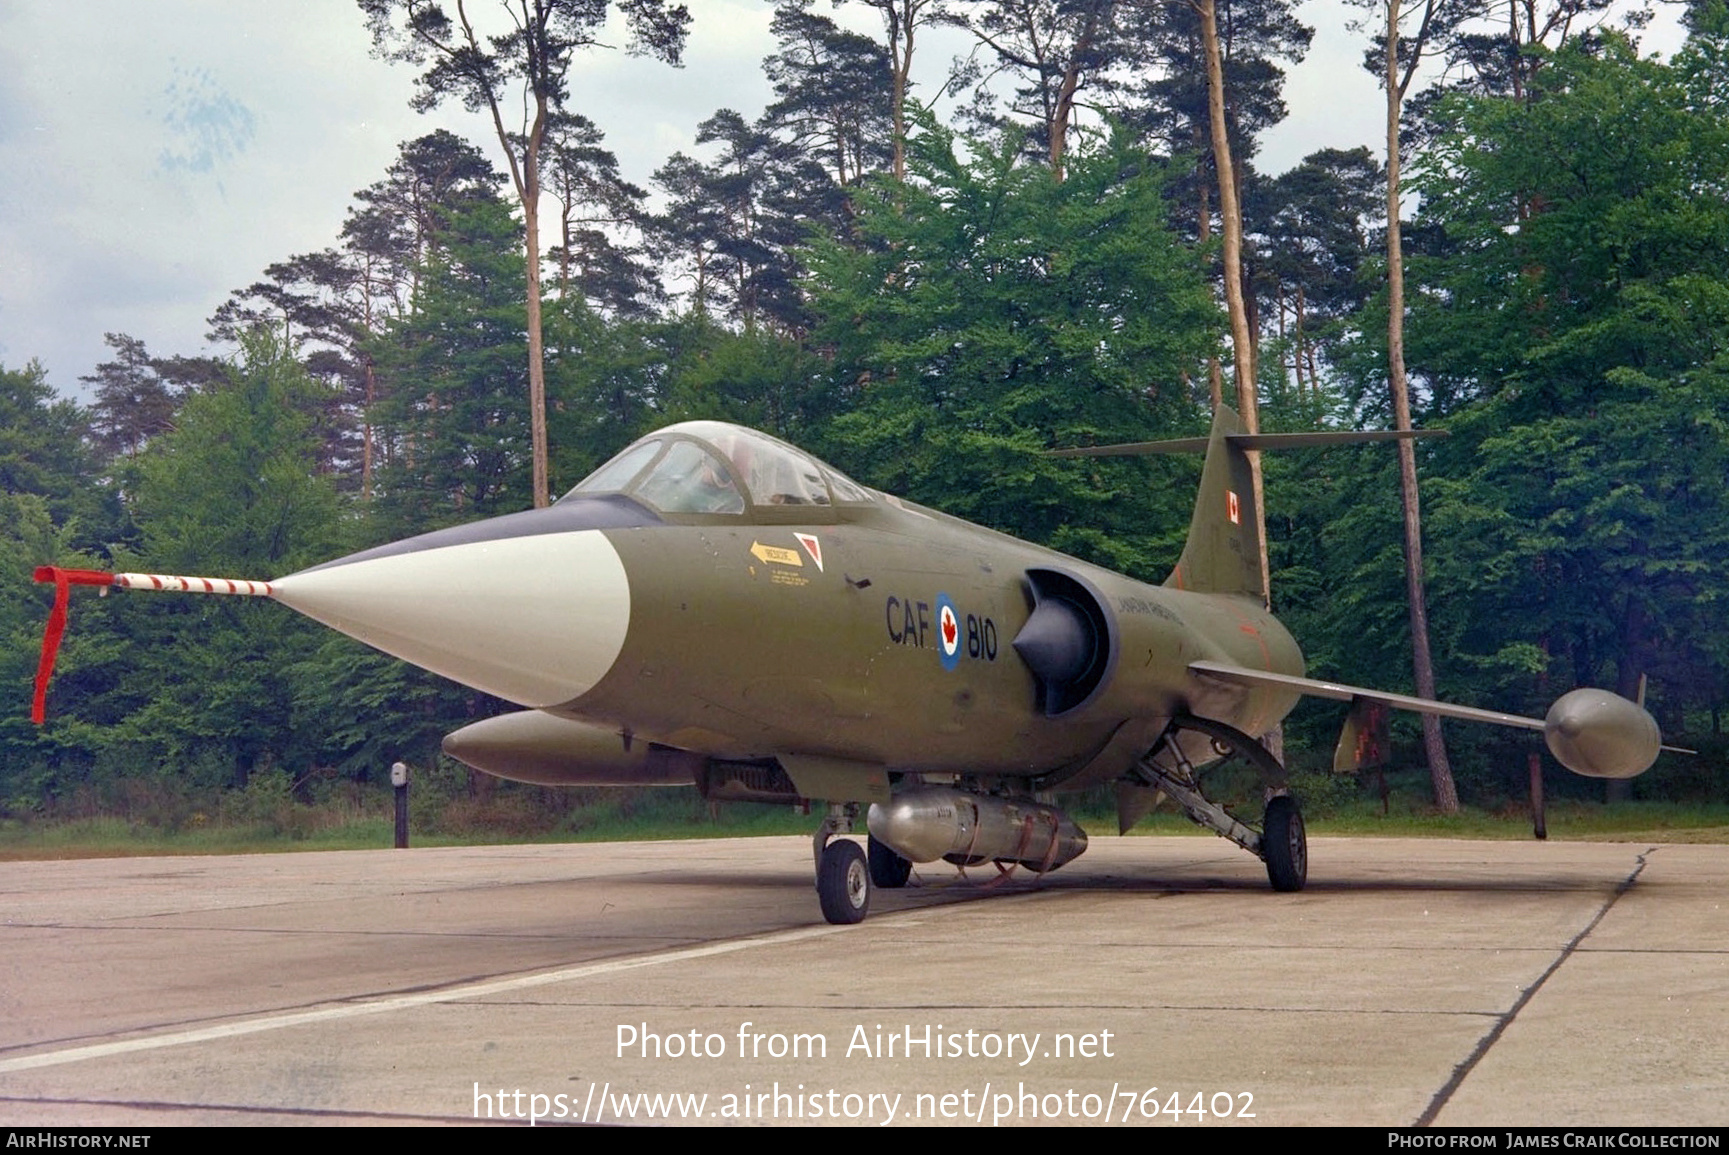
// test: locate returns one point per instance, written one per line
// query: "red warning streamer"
(64, 580)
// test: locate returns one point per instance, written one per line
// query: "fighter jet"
(715, 608)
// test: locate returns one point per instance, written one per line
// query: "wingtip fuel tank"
(1601, 735)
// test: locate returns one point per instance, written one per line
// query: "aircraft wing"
(1591, 732)
(1340, 692)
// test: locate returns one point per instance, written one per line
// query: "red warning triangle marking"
(811, 546)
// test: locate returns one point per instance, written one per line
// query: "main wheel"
(843, 882)
(889, 871)
(1284, 844)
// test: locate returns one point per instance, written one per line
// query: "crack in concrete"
(1505, 1020)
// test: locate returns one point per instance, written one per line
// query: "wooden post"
(1539, 825)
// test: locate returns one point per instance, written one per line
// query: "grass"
(115, 837)
(107, 836)
(1565, 819)
(620, 816)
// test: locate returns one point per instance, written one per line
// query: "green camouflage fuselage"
(741, 645)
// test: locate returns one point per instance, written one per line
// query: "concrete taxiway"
(1157, 979)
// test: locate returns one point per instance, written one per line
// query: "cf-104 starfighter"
(714, 607)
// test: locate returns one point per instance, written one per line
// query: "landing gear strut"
(843, 878)
(1281, 843)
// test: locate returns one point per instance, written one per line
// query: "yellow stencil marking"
(774, 553)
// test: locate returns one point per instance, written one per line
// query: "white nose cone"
(536, 620)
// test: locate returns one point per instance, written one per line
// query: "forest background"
(929, 304)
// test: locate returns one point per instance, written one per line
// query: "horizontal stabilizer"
(1249, 441)
(1223, 553)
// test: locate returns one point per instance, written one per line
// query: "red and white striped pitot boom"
(192, 585)
(65, 579)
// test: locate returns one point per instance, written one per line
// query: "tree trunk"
(536, 352)
(901, 64)
(536, 355)
(526, 177)
(1071, 84)
(1204, 231)
(1242, 344)
(366, 432)
(1440, 771)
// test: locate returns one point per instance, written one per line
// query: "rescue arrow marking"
(774, 553)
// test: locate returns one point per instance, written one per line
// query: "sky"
(155, 157)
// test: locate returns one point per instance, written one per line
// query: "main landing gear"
(1281, 842)
(1284, 845)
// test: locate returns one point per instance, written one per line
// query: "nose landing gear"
(843, 877)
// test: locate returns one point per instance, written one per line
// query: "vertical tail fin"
(1223, 552)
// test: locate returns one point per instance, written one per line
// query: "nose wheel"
(843, 882)
(843, 876)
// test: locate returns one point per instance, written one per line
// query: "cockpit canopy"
(710, 467)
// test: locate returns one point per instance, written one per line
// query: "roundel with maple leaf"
(948, 632)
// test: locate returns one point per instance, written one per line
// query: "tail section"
(1223, 552)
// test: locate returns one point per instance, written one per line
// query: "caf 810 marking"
(716, 608)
